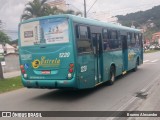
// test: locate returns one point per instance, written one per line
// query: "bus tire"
(136, 65)
(112, 75)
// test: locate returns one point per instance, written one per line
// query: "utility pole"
(1, 59)
(85, 12)
(1, 71)
(132, 26)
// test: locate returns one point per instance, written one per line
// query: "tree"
(52, 10)
(39, 8)
(14, 42)
(4, 38)
(34, 9)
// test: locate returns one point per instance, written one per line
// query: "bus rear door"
(97, 46)
(125, 52)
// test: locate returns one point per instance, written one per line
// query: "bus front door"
(97, 46)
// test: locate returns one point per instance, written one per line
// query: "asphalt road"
(102, 98)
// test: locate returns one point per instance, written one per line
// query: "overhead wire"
(92, 6)
(127, 9)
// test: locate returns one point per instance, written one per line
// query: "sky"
(11, 10)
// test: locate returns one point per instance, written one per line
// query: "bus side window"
(133, 40)
(129, 37)
(83, 41)
(140, 39)
(113, 39)
(137, 40)
(77, 31)
(105, 39)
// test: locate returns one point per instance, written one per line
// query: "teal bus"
(67, 51)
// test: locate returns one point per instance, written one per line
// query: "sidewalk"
(152, 102)
(11, 74)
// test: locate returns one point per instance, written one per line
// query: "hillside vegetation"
(149, 19)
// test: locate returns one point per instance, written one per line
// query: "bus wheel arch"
(136, 64)
(112, 74)
(138, 61)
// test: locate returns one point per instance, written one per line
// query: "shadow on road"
(73, 95)
(70, 95)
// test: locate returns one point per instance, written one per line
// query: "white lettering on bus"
(64, 55)
(83, 68)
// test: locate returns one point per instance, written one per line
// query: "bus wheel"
(112, 75)
(136, 66)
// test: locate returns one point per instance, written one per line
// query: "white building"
(7, 48)
(1, 48)
(61, 4)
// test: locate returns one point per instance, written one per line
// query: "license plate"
(46, 72)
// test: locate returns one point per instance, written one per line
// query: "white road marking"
(146, 61)
(154, 60)
(133, 98)
(150, 84)
(150, 61)
(124, 106)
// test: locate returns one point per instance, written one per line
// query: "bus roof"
(85, 21)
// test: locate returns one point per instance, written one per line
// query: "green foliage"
(39, 8)
(10, 84)
(149, 32)
(4, 38)
(51, 11)
(143, 18)
(34, 9)
(14, 42)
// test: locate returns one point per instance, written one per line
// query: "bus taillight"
(71, 66)
(22, 69)
(71, 70)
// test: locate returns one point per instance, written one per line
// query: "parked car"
(152, 47)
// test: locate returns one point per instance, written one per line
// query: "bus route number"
(64, 55)
(83, 68)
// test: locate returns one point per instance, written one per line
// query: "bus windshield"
(48, 31)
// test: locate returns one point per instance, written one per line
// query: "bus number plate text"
(83, 68)
(46, 72)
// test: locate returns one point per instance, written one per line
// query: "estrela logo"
(36, 63)
(45, 62)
